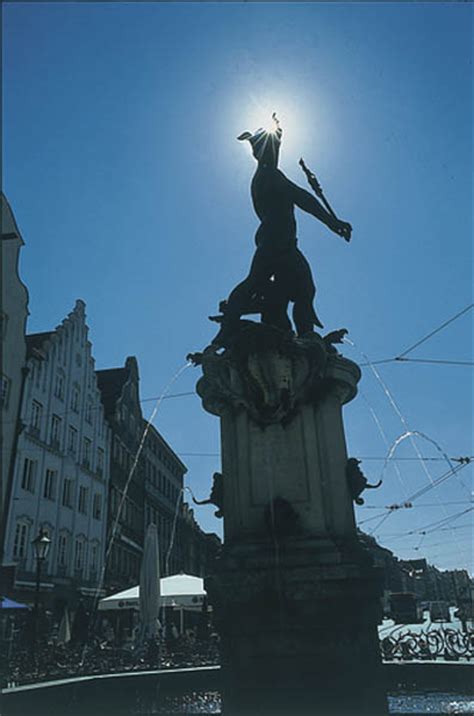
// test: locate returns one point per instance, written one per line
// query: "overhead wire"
(395, 359)
(433, 526)
(400, 415)
(435, 331)
(400, 358)
(409, 434)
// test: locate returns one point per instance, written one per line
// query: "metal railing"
(431, 644)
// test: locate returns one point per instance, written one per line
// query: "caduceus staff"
(317, 188)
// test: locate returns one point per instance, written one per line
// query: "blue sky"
(121, 165)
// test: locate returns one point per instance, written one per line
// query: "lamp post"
(41, 544)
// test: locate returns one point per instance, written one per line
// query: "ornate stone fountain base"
(299, 630)
(296, 598)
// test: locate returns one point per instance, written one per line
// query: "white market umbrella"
(149, 594)
(179, 590)
(127, 599)
(64, 632)
(182, 590)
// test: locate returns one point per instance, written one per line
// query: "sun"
(261, 114)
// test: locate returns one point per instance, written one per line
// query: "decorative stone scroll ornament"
(268, 372)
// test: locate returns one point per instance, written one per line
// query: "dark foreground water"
(429, 703)
(439, 689)
(401, 703)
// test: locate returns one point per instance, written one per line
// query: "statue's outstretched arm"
(309, 203)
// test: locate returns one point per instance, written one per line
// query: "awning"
(6, 603)
(179, 590)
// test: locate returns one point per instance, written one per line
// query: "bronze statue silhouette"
(279, 272)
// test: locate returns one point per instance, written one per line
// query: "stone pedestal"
(295, 596)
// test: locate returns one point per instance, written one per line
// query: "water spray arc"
(99, 589)
(408, 434)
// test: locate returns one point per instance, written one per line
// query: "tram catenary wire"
(397, 359)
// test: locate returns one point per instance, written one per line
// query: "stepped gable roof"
(110, 383)
(35, 341)
(9, 227)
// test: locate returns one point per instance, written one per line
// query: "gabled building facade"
(125, 517)
(164, 475)
(13, 315)
(61, 471)
(200, 548)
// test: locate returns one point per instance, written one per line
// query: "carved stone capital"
(271, 374)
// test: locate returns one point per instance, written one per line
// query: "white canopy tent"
(179, 590)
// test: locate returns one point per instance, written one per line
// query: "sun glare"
(260, 115)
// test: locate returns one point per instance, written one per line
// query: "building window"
(116, 452)
(20, 543)
(97, 506)
(94, 558)
(3, 324)
(37, 369)
(82, 504)
(4, 391)
(55, 431)
(62, 550)
(36, 417)
(72, 440)
(86, 452)
(113, 501)
(59, 385)
(123, 413)
(79, 554)
(49, 490)
(88, 415)
(68, 487)
(100, 422)
(126, 459)
(75, 400)
(100, 461)
(29, 473)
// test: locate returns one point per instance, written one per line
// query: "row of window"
(164, 525)
(124, 563)
(82, 548)
(161, 482)
(163, 457)
(60, 348)
(122, 455)
(37, 411)
(128, 419)
(72, 439)
(39, 375)
(75, 403)
(130, 513)
(50, 489)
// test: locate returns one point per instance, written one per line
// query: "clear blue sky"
(121, 165)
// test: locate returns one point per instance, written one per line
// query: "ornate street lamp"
(41, 545)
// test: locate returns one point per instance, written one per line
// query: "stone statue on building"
(279, 273)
